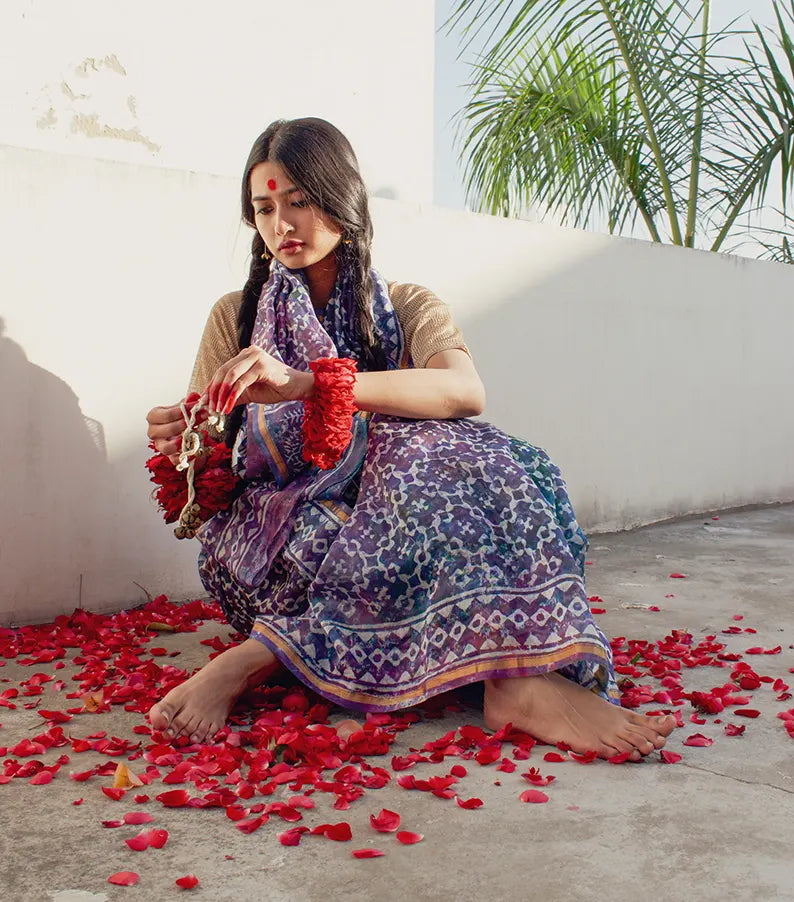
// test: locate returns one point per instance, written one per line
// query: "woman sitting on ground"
(438, 551)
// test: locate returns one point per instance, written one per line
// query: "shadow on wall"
(54, 480)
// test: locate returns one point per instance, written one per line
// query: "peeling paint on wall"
(111, 61)
(48, 120)
(101, 107)
(90, 126)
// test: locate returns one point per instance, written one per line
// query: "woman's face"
(297, 233)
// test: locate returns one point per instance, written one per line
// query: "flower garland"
(328, 416)
(193, 495)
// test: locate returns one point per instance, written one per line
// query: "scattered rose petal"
(698, 740)
(677, 576)
(469, 803)
(385, 822)
(407, 838)
(669, 757)
(174, 798)
(747, 712)
(554, 757)
(533, 795)
(187, 882)
(367, 853)
(123, 878)
(138, 817)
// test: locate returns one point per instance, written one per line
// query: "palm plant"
(629, 110)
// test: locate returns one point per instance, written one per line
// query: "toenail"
(194, 738)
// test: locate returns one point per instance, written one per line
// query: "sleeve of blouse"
(219, 342)
(426, 321)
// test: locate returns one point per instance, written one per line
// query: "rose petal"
(669, 757)
(138, 817)
(175, 798)
(554, 757)
(407, 838)
(533, 795)
(367, 853)
(123, 878)
(698, 740)
(469, 803)
(386, 822)
(187, 882)
(739, 712)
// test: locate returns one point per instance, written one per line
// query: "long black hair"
(320, 161)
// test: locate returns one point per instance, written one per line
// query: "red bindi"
(271, 183)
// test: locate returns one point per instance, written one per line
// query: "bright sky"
(452, 75)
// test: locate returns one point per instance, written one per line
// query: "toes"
(160, 716)
(642, 743)
(664, 725)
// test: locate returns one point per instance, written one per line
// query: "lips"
(290, 245)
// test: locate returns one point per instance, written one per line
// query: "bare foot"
(553, 709)
(198, 708)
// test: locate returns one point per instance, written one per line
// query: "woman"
(438, 551)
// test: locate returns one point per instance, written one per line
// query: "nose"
(283, 226)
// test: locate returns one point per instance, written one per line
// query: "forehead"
(265, 175)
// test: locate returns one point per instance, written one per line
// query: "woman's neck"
(320, 277)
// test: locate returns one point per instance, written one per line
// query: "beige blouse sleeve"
(219, 342)
(426, 321)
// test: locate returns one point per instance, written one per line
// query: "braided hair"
(322, 164)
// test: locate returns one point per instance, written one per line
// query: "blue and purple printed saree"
(436, 553)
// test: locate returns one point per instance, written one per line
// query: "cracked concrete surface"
(718, 825)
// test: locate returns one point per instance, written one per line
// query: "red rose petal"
(112, 823)
(670, 757)
(698, 740)
(113, 793)
(458, 771)
(732, 729)
(743, 712)
(407, 838)
(677, 576)
(123, 878)
(469, 803)
(254, 823)
(156, 838)
(367, 853)
(554, 757)
(138, 843)
(187, 882)
(533, 795)
(175, 798)
(42, 777)
(385, 822)
(138, 817)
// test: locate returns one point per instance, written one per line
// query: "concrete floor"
(717, 825)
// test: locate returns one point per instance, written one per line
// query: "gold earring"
(267, 256)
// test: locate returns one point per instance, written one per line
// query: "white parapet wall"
(659, 379)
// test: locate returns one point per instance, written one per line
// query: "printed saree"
(436, 553)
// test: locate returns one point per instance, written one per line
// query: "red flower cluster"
(215, 483)
(328, 416)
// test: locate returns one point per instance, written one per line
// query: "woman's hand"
(255, 377)
(166, 425)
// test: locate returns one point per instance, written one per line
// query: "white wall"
(189, 86)
(658, 378)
